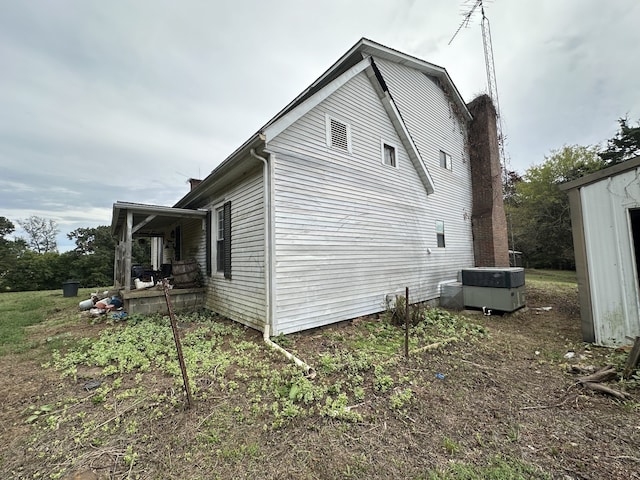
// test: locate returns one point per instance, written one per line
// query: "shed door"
(634, 217)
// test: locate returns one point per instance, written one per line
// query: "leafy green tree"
(539, 210)
(6, 227)
(92, 259)
(41, 234)
(35, 271)
(90, 263)
(93, 240)
(10, 251)
(511, 180)
(624, 145)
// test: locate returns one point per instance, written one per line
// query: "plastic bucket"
(70, 289)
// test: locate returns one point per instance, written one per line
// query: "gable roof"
(357, 59)
(367, 48)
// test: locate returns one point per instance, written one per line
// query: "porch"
(163, 227)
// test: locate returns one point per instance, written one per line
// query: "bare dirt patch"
(502, 399)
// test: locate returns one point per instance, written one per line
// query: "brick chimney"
(489, 224)
(194, 182)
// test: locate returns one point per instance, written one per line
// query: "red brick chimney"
(194, 182)
(489, 224)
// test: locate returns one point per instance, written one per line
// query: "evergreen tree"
(624, 145)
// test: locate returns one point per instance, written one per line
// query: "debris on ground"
(595, 380)
(541, 309)
(100, 304)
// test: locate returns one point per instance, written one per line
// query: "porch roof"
(149, 220)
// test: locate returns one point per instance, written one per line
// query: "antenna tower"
(492, 85)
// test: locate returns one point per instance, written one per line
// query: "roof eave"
(228, 164)
(376, 49)
(151, 210)
(600, 174)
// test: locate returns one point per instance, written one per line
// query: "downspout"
(268, 251)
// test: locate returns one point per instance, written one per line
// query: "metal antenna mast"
(492, 85)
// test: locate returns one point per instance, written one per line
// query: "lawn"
(479, 396)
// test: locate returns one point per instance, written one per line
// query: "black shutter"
(208, 243)
(177, 246)
(227, 240)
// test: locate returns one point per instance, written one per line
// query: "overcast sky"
(125, 100)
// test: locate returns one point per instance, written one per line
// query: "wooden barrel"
(186, 273)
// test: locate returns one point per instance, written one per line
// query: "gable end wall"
(349, 230)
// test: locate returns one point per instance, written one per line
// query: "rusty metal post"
(176, 337)
(406, 323)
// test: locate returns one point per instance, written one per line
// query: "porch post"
(127, 251)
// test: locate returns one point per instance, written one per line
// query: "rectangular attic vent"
(338, 135)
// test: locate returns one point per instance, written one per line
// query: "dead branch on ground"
(605, 374)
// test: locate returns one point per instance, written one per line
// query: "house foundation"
(152, 300)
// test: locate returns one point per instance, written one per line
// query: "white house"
(605, 219)
(358, 188)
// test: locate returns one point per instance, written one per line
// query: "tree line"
(34, 263)
(538, 215)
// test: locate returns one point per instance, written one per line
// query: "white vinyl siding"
(242, 297)
(346, 232)
(193, 241)
(435, 126)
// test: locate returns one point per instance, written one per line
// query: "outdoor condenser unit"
(495, 288)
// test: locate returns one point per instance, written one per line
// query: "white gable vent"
(338, 134)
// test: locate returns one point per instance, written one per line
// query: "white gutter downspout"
(268, 251)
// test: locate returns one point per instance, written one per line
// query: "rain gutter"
(268, 258)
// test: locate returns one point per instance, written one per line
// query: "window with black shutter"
(223, 240)
(227, 240)
(208, 242)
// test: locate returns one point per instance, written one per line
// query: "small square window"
(445, 160)
(389, 155)
(440, 233)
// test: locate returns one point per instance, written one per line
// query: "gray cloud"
(106, 101)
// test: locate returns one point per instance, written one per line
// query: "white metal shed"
(605, 218)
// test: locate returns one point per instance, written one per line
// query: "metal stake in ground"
(176, 337)
(406, 323)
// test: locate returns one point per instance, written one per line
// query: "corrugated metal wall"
(610, 258)
(348, 229)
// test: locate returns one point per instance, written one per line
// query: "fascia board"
(402, 131)
(294, 115)
(377, 50)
